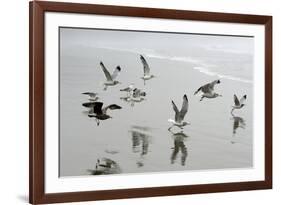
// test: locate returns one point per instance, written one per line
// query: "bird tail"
(197, 90)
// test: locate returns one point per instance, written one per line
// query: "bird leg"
(98, 122)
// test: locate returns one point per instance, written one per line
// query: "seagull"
(105, 166)
(98, 111)
(179, 115)
(208, 90)
(146, 70)
(110, 78)
(135, 95)
(128, 89)
(238, 103)
(93, 96)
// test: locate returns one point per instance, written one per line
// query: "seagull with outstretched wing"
(93, 96)
(110, 78)
(98, 111)
(208, 90)
(179, 115)
(238, 104)
(146, 69)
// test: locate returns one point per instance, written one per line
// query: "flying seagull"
(98, 111)
(110, 78)
(208, 90)
(93, 96)
(146, 69)
(238, 103)
(179, 115)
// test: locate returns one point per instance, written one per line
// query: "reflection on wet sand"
(179, 146)
(238, 122)
(140, 142)
(105, 166)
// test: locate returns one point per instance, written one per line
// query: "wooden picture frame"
(37, 10)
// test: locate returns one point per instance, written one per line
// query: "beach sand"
(137, 137)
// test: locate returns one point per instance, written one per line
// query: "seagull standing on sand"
(179, 115)
(238, 104)
(93, 96)
(208, 90)
(110, 78)
(146, 69)
(98, 111)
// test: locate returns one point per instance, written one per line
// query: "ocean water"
(136, 139)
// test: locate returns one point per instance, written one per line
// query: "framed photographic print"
(139, 102)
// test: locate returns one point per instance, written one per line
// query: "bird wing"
(146, 68)
(88, 104)
(184, 108)
(212, 84)
(236, 101)
(111, 107)
(91, 94)
(116, 72)
(106, 73)
(242, 100)
(176, 111)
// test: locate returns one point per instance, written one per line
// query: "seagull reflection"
(105, 166)
(179, 146)
(238, 122)
(140, 140)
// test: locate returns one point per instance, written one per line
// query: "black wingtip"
(245, 96)
(141, 56)
(117, 106)
(219, 81)
(185, 96)
(101, 63)
(118, 68)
